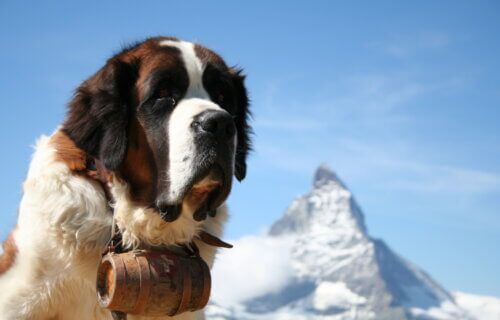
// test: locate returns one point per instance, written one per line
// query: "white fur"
(181, 138)
(194, 67)
(142, 227)
(64, 223)
(182, 150)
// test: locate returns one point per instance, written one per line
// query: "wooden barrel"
(152, 283)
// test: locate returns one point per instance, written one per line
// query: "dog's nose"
(217, 123)
(168, 212)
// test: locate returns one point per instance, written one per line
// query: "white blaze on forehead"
(194, 67)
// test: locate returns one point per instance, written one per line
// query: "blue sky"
(401, 99)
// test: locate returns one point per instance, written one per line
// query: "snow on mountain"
(318, 262)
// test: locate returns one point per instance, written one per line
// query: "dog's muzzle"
(210, 181)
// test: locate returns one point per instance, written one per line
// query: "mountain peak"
(328, 207)
(324, 175)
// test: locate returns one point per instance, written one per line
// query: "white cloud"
(335, 295)
(443, 179)
(404, 46)
(377, 93)
(381, 97)
(481, 307)
(256, 265)
(391, 165)
(368, 100)
(397, 163)
(378, 106)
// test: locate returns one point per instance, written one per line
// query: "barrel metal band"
(119, 277)
(145, 283)
(186, 292)
(207, 284)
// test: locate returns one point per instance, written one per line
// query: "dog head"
(169, 118)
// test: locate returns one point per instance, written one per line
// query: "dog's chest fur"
(64, 223)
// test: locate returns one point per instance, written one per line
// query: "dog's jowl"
(150, 145)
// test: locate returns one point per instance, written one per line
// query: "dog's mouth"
(203, 197)
(200, 192)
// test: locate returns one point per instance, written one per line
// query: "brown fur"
(76, 160)
(68, 152)
(207, 55)
(138, 167)
(9, 253)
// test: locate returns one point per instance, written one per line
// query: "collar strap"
(213, 240)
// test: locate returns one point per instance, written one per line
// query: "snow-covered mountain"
(318, 262)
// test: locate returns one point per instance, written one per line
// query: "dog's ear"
(99, 113)
(241, 120)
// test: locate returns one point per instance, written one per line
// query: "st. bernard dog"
(167, 119)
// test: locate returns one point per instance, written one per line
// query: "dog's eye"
(163, 93)
(166, 97)
(164, 102)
